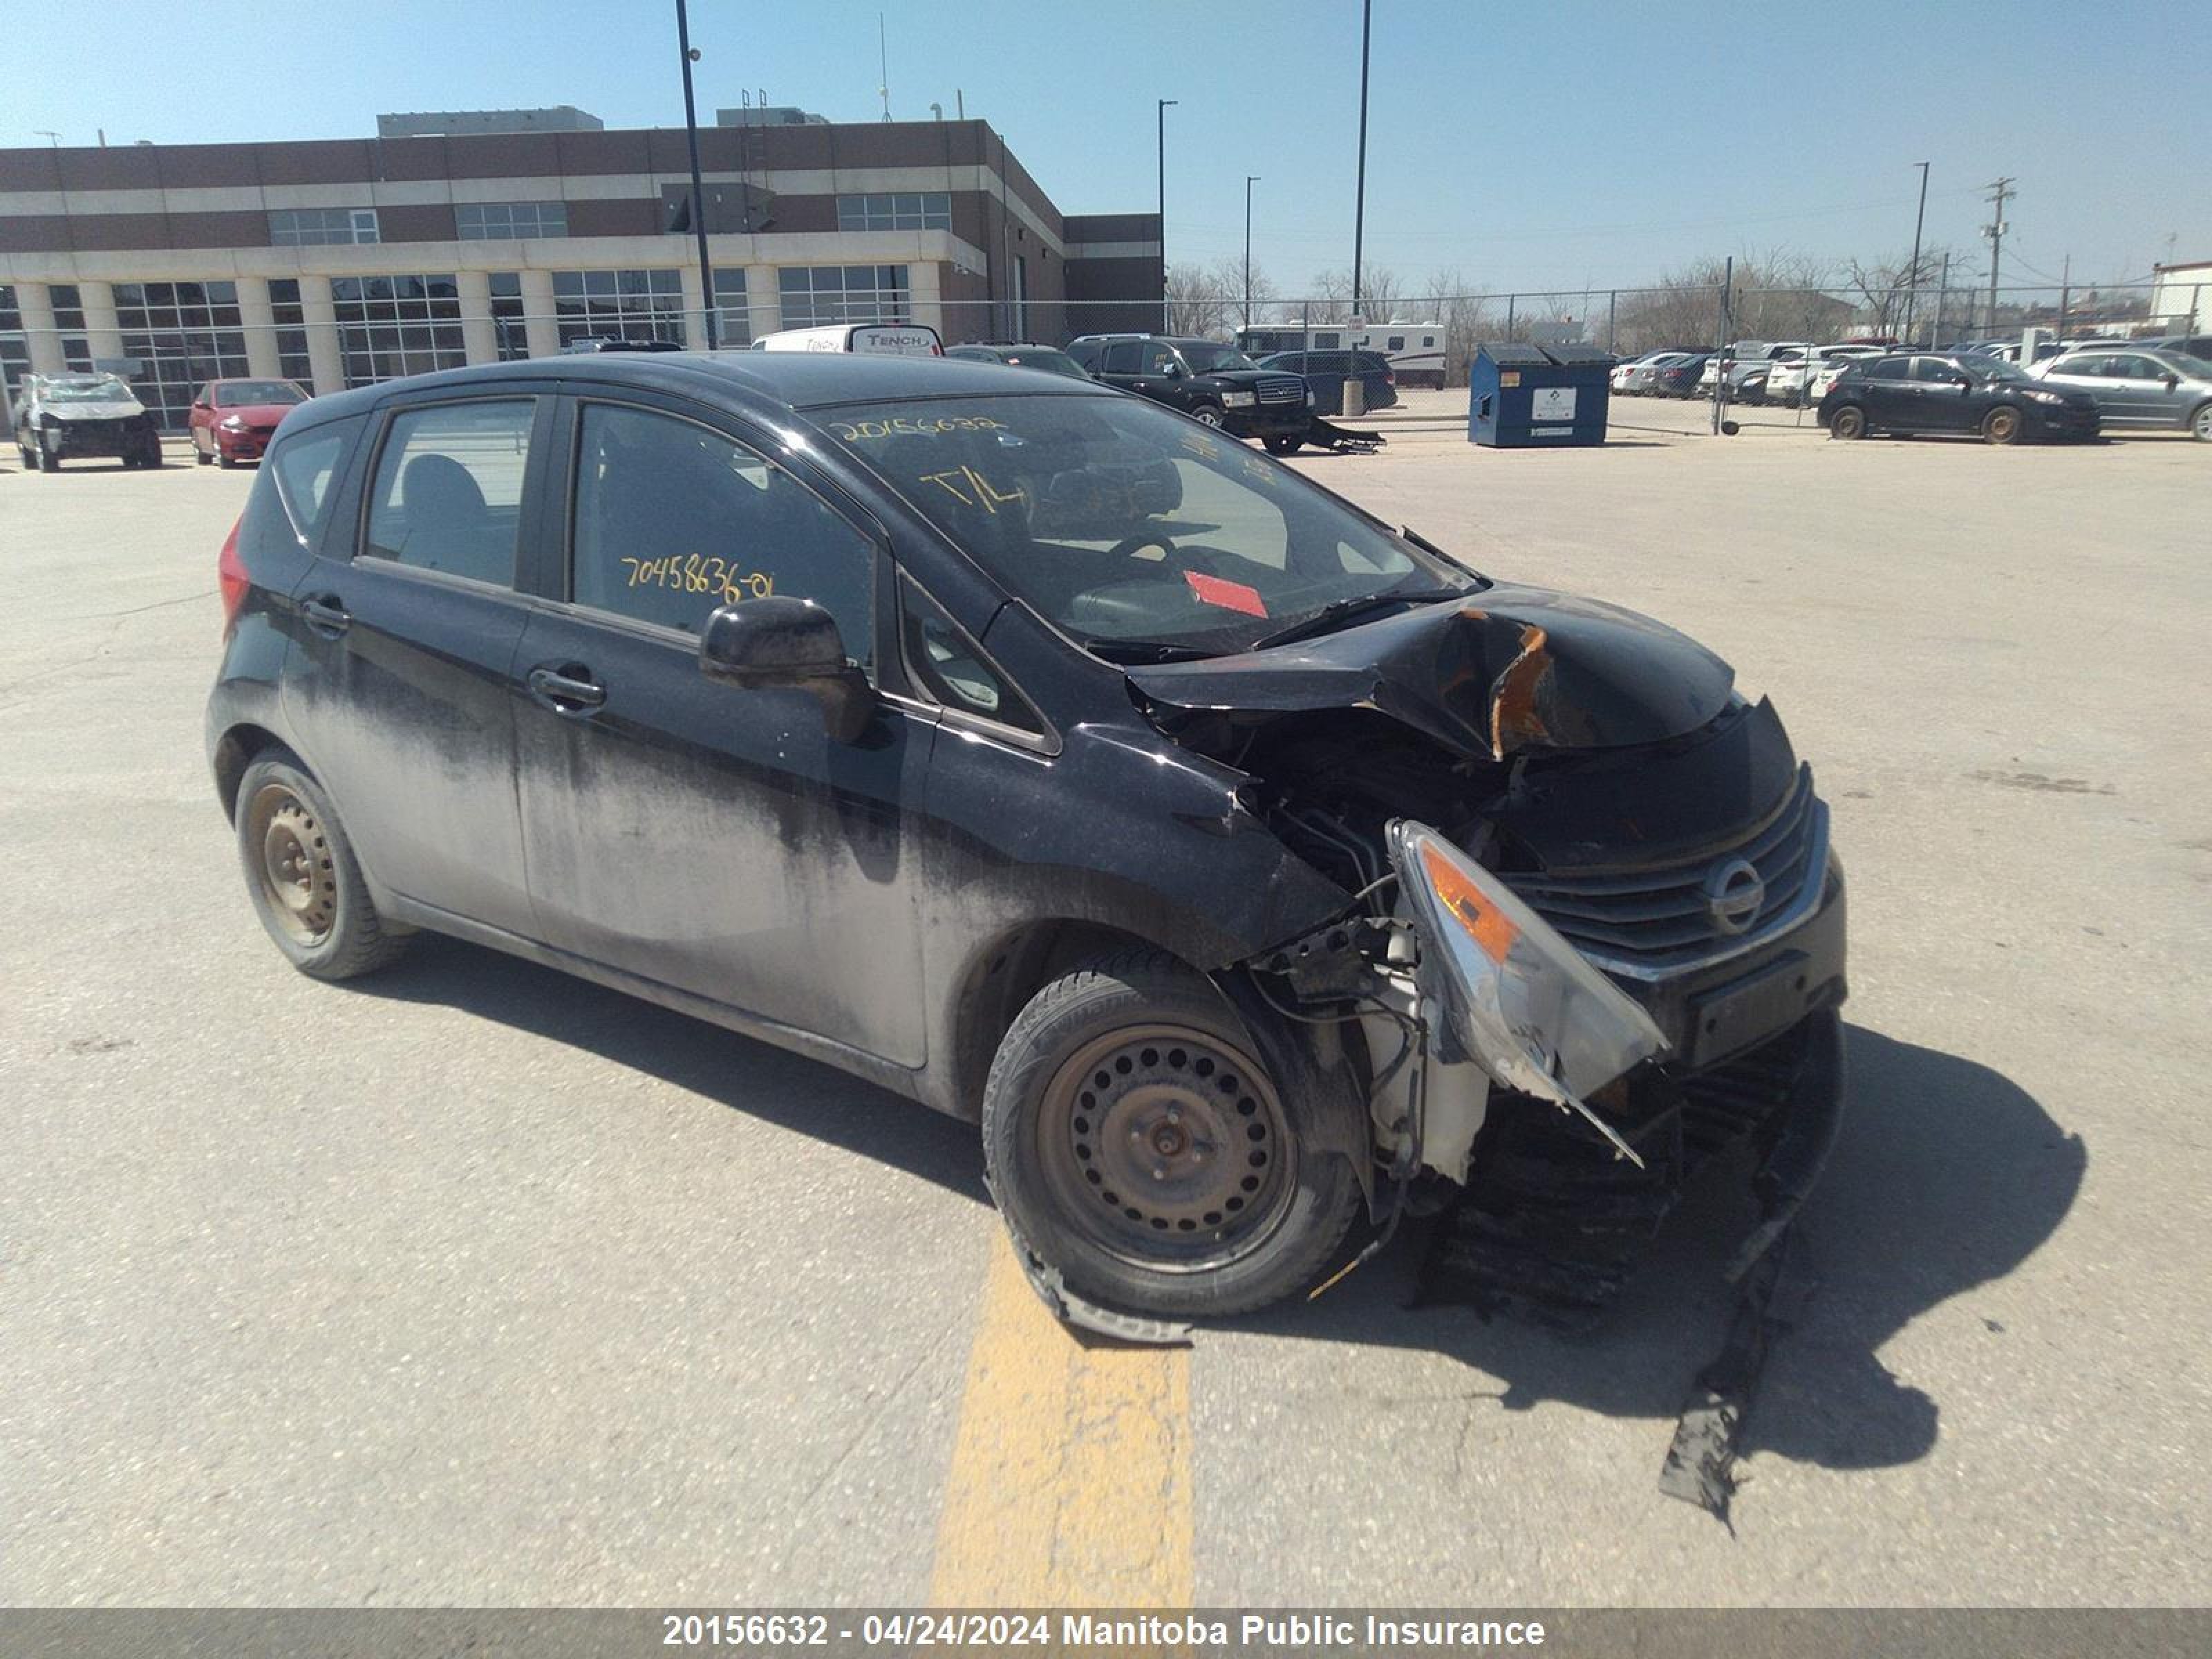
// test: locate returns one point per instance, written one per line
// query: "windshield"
(240, 394)
(106, 390)
(1053, 363)
(2194, 367)
(1132, 529)
(1207, 358)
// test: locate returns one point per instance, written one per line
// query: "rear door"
(713, 839)
(1884, 390)
(1121, 363)
(409, 626)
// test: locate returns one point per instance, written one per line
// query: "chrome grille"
(1283, 389)
(1662, 918)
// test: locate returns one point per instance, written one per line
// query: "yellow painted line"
(1070, 1482)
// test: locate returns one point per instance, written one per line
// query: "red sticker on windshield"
(1229, 596)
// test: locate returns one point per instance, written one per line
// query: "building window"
(814, 296)
(733, 316)
(393, 325)
(183, 335)
(618, 305)
(291, 331)
(508, 324)
(69, 322)
(15, 345)
(507, 222)
(906, 210)
(319, 226)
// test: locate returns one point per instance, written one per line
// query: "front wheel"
(2200, 424)
(2001, 426)
(1207, 415)
(1136, 1143)
(300, 871)
(1284, 443)
(1849, 422)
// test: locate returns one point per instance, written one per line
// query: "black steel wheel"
(1849, 422)
(300, 872)
(1136, 1143)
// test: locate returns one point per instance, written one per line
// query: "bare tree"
(1208, 301)
(1332, 294)
(1886, 288)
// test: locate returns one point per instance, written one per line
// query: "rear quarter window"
(299, 481)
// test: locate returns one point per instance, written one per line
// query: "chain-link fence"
(1429, 337)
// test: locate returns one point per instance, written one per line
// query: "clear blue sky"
(1566, 143)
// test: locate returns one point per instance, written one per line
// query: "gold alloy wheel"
(1165, 1146)
(297, 876)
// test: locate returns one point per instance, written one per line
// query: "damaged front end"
(1598, 937)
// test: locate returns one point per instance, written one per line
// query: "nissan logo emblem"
(1734, 891)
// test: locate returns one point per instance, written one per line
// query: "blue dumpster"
(1522, 397)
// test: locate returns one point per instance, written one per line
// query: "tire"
(1849, 422)
(200, 456)
(2001, 425)
(1284, 443)
(223, 461)
(303, 877)
(1241, 1219)
(2200, 424)
(1208, 414)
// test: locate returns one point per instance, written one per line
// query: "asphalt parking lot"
(471, 1284)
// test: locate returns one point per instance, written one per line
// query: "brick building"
(510, 234)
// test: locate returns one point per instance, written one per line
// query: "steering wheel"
(1127, 546)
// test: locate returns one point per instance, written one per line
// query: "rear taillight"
(230, 576)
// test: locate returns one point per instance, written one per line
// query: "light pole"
(1165, 102)
(1359, 192)
(1912, 272)
(1251, 180)
(698, 190)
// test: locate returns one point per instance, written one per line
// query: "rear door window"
(448, 490)
(1122, 357)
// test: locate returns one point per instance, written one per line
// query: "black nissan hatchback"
(1236, 860)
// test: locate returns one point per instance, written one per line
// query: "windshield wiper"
(1147, 651)
(1326, 619)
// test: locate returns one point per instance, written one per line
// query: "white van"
(885, 339)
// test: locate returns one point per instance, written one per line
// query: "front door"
(405, 650)
(2135, 389)
(713, 839)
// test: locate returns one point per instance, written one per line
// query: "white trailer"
(1415, 351)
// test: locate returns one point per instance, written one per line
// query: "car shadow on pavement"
(1948, 1176)
(754, 1078)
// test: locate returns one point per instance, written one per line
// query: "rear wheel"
(2001, 425)
(200, 456)
(1136, 1143)
(300, 872)
(1284, 443)
(1849, 422)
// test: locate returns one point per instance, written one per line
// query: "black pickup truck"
(1210, 382)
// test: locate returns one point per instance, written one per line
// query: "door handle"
(326, 614)
(564, 692)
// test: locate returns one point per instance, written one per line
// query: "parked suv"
(68, 417)
(1236, 860)
(1216, 384)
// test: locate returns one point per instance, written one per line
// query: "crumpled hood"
(107, 408)
(1504, 670)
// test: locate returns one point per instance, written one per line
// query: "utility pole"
(1994, 231)
(698, 190)
(1942, 293)
(1165, 102)
(1251, 180)
(1359, 194)
(1912, 273)
(2065, 294)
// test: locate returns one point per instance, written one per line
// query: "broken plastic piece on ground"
(1327, 435)
(1700, 1466)
(1521, 1000)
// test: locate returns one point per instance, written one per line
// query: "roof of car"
(794, 379)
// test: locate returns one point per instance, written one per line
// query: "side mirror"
(2172, 381)
(790, 642)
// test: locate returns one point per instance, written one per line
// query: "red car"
(232, 420)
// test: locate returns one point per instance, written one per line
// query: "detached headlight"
(236, 423)
(1518, 997)
(1240, 399)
